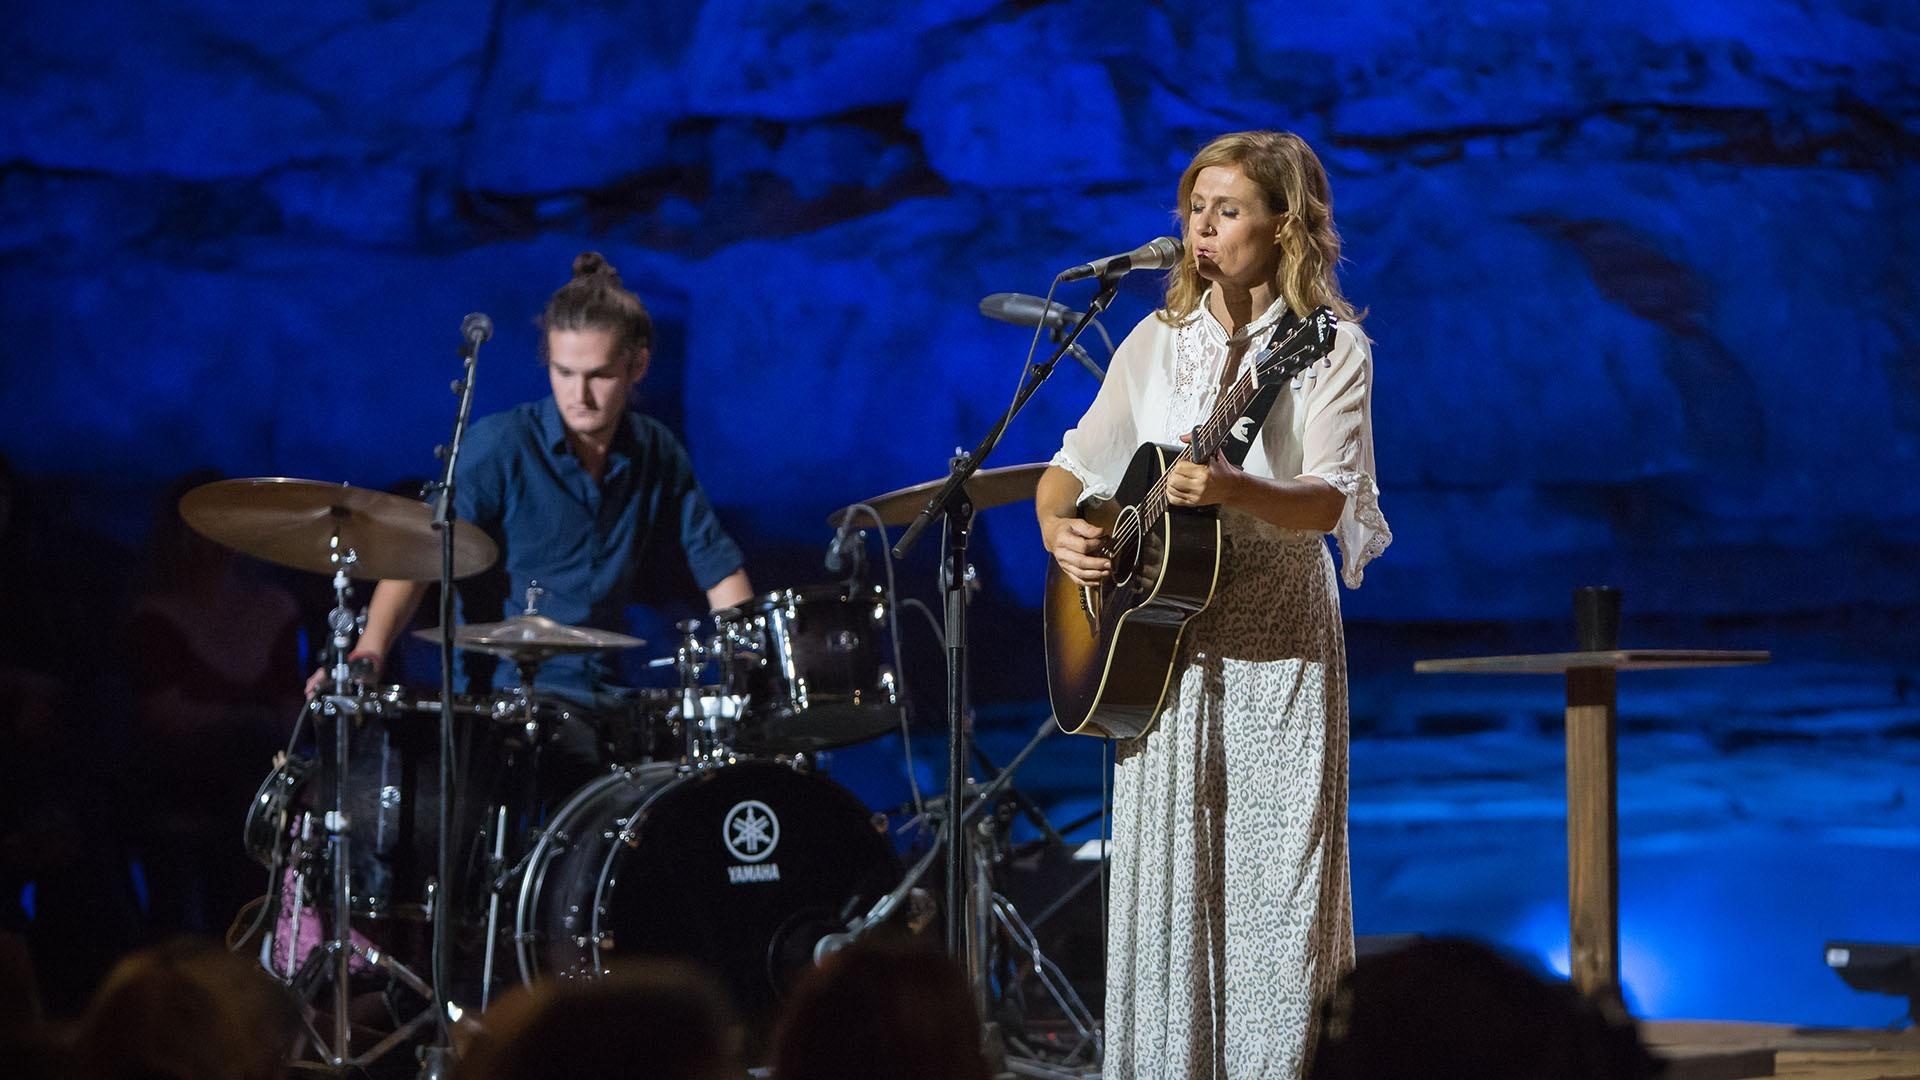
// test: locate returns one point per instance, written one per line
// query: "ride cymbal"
(531, 637)
(303, 523)
(987, 488)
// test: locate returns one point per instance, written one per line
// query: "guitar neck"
(1208, 438)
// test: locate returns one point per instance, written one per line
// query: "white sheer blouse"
(1165, 379)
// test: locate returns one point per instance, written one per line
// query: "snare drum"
(392, 793)
(812, 664)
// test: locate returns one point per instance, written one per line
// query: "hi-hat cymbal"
(988, 487)
(531, 637)
(297, 523)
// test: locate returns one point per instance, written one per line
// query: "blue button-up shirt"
(582, 541)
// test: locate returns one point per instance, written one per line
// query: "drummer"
(578, 491)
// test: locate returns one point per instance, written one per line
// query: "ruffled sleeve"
(1337, 446)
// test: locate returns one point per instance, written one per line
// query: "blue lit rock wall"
(1641, 274)
(1642, 277)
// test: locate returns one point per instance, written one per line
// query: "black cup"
(1596, 617)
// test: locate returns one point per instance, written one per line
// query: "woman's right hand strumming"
(1079, 546)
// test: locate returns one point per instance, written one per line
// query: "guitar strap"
(1239, 436)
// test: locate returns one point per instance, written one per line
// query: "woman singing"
(1231, 914)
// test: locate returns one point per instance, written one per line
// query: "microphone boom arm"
(970, 463)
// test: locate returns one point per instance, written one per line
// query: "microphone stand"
(884, 907)
(951, 502)
(1080, 354)
(435, 1059)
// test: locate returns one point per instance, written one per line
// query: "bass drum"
(741, 868)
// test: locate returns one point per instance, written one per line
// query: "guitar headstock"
(1303, 345)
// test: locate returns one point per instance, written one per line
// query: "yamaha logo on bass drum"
(751, 831)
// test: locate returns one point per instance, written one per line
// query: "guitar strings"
(1153, 503)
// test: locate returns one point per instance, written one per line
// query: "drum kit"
(710, 834)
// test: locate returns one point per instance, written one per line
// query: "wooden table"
(1593, 842)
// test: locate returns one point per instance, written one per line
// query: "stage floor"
(1709, 1050)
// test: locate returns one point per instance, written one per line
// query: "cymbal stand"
(528, 720)
(334, 959)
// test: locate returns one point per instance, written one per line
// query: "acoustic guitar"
(1112, 648)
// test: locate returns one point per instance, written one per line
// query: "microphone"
(476, 329)
(1024, 310)
(841, 551)
(833, 943)
(1157, 254)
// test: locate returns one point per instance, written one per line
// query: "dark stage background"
(1644, 303)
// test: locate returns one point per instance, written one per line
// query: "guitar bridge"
(1090, 607)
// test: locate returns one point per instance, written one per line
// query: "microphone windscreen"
(477, 327)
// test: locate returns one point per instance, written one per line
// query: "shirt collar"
(553, 433)
(1204, 314)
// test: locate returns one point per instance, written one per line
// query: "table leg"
(1593, 854)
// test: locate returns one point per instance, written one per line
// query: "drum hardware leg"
(504, 880)
(299, 894)
(334, 961)
(322, 965)
(1021, 936)
(991, 911)
(340, 946)
(493, 908)
(378, 959)
(1004, 923)
(436, 1063)
(978, 926)
(886, 905)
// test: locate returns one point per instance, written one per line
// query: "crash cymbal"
(531, 637)
(296, 523)
(988, 487)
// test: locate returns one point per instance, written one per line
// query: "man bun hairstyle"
(596, 300)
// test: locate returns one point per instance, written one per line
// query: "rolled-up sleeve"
(711, 553)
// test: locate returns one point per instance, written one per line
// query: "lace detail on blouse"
(1199, 348)
(1362, 526)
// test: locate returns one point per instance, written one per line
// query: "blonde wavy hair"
(1291, 177)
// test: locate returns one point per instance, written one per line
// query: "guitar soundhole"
(1147, 569)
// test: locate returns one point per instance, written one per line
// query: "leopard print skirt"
(1231, 915)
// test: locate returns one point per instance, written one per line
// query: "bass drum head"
(741, 869)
